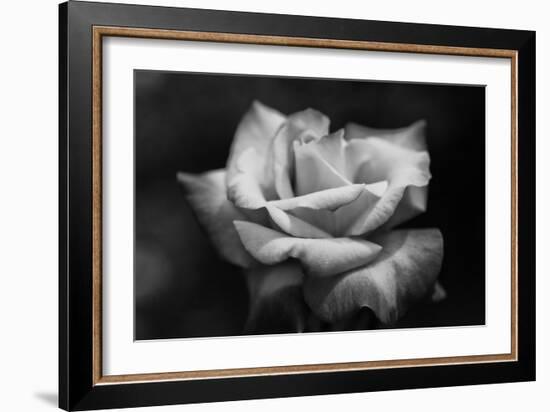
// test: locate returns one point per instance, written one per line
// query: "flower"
(310, 216)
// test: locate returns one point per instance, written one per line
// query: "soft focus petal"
(407, 173)
(294, 225)
(376, 214)
(334, 153)
(319, 257)
(349, 215)
(332, 148)
(413, 203)
(323, 219)
(411, 137)
(303, 126)
(320, 164)
(404, 272)
(314, 122)
(329, 199)
(357, 154)
(271, 216)
(247, 157)
(390, 162)
(394, 164)
(280, 162)
(244, 187)
(255, 130)
(339, 222)
(276, 299)
(206, 195)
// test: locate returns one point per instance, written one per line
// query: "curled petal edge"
(404, 272)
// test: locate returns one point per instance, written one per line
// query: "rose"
(310, 215)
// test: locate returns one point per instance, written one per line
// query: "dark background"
(186, 121)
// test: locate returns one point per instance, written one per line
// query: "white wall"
(28, 203)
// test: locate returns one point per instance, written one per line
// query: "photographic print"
(268, 205)
(242, 193)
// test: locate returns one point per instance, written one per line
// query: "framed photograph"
(257, 205)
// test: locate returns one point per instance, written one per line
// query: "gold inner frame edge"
(98, 32)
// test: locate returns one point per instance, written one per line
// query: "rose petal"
(247, 156)
(376, 214)
(326, 199)
(390, 162)
(350, 214)
(276, 300)
(341, 221)
(323, 219)
(206, 195)
(331, 152)
(244, 187)
(310, 119)
(294, 225)
(396, 155)
(403, 169)
(411, 137)
(302, 126)
(405, 271)
(387, 163)
(331, 148)
(319, 257)
(255, 130)
(319, 164)
(413, 203)
(280, 163)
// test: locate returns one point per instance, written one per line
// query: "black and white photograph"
(247, 206)
(269, 205)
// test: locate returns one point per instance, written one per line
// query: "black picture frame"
(78, 390)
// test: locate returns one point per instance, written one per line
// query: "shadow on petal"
(276, 299)
(411, 137)
(319, 257)
(206, 195)
(341, 221)
(246, 181)
(329, 199)
(307, 125)
(405, 272)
